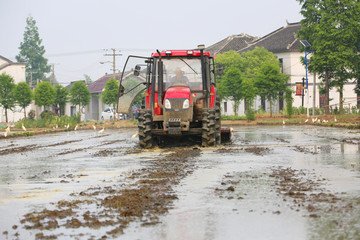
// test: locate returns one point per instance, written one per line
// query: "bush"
(261, 110)
(317, 111)
(47, 114)
(233, 117)
(50, 121)
(289, 101)
(250, 115)
(31, 114)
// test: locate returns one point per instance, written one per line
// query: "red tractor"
(180, 97)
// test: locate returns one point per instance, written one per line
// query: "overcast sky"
(76, 32)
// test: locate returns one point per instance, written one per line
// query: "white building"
(284, 44)
(17, 72)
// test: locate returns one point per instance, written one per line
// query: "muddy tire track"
(32, 147)
(87, 148)
(146, 194)
(302, 191)
(259, 151)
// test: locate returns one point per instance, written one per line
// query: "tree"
(110, 94)
(79, 95)
(333, 29)
(44, 94)
(32, 52)
(23, 95)
(249, 93)
(255, 59)
(61, 96)
(238, 67)
(87, 79)
(249, 63)
(7, 99)
(289, 102)
(230, 87)
(227, 60)
(269, 82)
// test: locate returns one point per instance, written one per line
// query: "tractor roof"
(179, 53)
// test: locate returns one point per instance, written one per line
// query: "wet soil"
(149, 195)
(302, 191)
(260, 151)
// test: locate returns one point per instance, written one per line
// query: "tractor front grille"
(176, 103)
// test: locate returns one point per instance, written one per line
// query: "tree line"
(333, 30)
(247, 75)
(45, 95)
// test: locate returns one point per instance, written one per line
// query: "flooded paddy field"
(275, 182)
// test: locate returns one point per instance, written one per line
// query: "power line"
(94, 51)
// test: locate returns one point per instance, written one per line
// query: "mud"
(304, 150)
(148, 197)
(260, 151)
(302, 191)
(31, 147)
(102, 186)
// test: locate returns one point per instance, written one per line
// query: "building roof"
(72, 83)
(99, 85)
(9, 62)
(281, 40)
(233, 42)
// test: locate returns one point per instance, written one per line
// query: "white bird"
(23, 127)
(134, 136)
(67, 126)
(324, 121)
(315, 120)
(102, 130)
(77, 125)
(6, 132)
(94, 127)
(335, 119)
(306, 120)
(231, 129)
(319, 120)
(283, 122)
(56, 126)
(8, 129)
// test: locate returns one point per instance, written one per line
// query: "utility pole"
(31, 81)
(52, 77)
(314, 95)
(113, 55)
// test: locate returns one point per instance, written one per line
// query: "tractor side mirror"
(137, 70)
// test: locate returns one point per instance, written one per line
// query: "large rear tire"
(145, 126)
(208, 128)
(217, 121)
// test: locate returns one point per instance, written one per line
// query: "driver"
(179, 78)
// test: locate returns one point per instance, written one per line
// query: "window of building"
(281, 65)
(225, 107)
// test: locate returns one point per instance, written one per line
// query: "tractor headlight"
(186, 103)
(167, 104)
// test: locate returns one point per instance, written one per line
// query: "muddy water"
(282, 182)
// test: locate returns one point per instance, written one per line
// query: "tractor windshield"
(182, 72)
